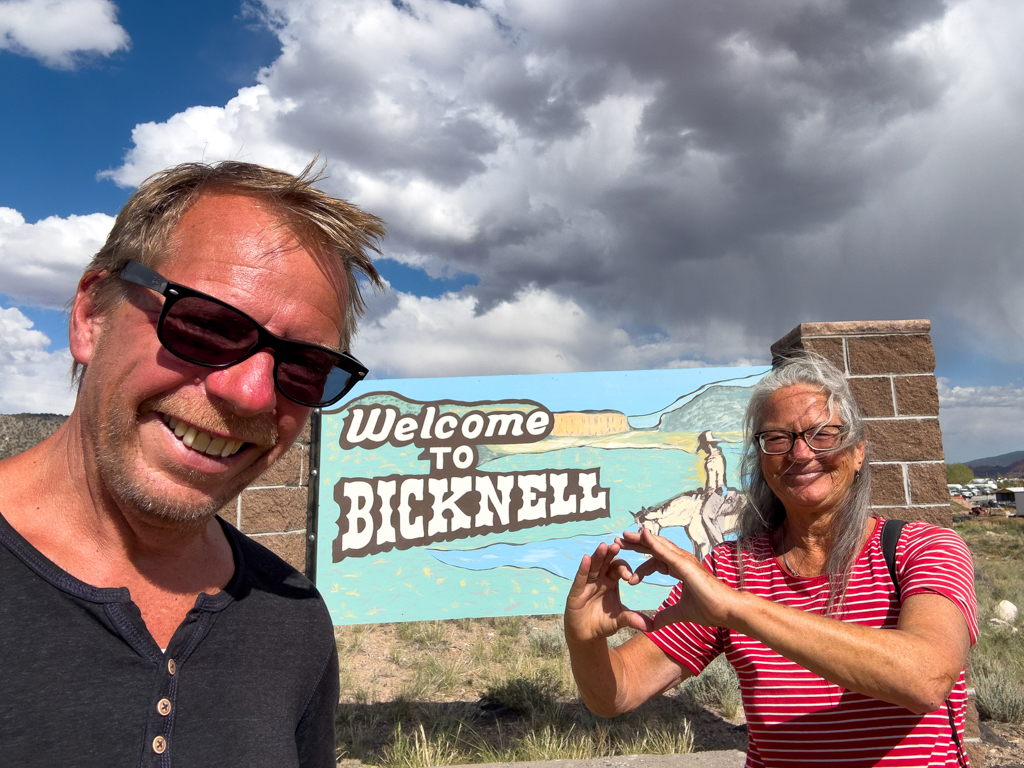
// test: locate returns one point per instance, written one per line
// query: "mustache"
(259, 429)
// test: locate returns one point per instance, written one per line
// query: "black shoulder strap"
(891, 531)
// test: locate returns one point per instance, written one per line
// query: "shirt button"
(159, 745)
(164, 707)
(171, 666)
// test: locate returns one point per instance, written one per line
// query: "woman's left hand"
(704, 600)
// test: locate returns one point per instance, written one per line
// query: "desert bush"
(997, 658)
(999, 699)
(717, 687)
(432, 677)
(534, 696)
(509, 626)
(549, 643)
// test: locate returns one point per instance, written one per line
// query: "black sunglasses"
(206, 331)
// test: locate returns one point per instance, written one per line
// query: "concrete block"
(871, 355)
(940, 515)
(830, 349)
(916, 396)
(290, 547)
(273, 510)
(873, 395)
(905, 440)
(887, 487)
(287, 470)
(928, 483)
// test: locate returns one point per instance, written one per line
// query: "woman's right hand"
(594, 608)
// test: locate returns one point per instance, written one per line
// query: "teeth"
(201, 441)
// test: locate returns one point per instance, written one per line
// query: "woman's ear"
(858, 456)
(86, 321)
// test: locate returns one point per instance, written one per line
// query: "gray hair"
(763, 512)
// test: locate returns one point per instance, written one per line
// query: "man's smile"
(200, 441)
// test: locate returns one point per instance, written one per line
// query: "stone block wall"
(272, 510)
(891, 369)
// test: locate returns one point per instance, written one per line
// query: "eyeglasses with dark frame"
(206, 331)
(824, 437)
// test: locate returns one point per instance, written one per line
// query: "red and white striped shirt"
(794, 717)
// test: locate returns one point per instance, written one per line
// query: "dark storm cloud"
(673, 168)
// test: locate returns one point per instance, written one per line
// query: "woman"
(833, 666)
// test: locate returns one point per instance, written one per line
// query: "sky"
(569, 185)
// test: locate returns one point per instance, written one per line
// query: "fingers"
(673, 614)
(646, 568)
(596, 569)
(638, 621)
(582, 573)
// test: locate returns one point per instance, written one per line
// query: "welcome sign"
(471, 497)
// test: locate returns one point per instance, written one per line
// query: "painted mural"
(471, 497)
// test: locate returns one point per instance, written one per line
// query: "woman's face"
(805, 481)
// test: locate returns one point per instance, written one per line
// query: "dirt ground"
(370, 674)
(1004, 744)
(377, 665)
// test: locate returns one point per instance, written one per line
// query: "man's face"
(136, 396)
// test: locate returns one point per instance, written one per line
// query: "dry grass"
(997, 545)
(484, 690)
(500, 690)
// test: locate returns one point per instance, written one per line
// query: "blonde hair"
(328, 226)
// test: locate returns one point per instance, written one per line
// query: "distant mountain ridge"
(1008, 464)
(1003, 460)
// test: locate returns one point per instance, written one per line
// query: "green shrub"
(549, 643)
(717, 686)
(999, 699)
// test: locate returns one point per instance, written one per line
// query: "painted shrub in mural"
(447, 498)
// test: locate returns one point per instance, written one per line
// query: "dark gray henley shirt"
(249, 679)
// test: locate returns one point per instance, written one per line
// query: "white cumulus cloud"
(40, 263)
(59, 32)
(537, 331)
(665, 169)
(652, 183)
(981, 421)
(34, 379)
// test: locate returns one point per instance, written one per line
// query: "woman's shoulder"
(921, 532)
(925, 544)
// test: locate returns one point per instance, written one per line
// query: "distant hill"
(20, 431)
(1007, 464)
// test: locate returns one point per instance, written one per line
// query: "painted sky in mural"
(478, 496)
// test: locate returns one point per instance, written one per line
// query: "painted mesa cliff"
(589, 424)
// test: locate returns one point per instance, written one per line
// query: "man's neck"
(48, 495)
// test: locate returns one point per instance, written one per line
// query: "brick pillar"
(890, 366)
(891, 370)
(272, 510)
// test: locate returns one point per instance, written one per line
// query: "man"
(137, 627)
